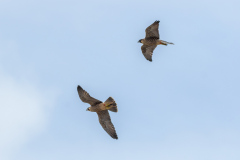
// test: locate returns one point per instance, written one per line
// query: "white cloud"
(23, 113)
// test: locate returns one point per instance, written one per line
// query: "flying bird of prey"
(101, 109)
(151, 40)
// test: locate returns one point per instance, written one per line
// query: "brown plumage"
(101, 109)
(151, 40)
(105, 121)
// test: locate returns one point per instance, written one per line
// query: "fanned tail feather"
(111, 104)
(114, 109)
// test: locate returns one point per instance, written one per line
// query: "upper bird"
(101, 109)
(151, 40)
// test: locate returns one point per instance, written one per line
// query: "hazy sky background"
(182, 106)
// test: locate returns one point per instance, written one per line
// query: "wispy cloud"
(24, 110)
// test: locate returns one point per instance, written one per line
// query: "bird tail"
(111, 104)
(165, 42)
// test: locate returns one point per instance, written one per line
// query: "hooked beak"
(139, 41)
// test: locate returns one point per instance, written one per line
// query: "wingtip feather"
(79, 87)
(115, 137)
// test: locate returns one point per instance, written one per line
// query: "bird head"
(88, 109)
(140, 41)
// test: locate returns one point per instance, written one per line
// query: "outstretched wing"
(85, 97)
(152, 30)
(148, 51)
(105, 121)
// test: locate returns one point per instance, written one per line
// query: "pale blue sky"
(182, 106)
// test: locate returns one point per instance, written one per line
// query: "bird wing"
(85, 97)
(152, 30)
(148, 51)
(105, 121)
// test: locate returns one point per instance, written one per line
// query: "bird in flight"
(151, 40)
(101, 109)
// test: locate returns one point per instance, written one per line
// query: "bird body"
(97, 107)
(151, 40)
(101, 109)
(107, 105)
(154, 41)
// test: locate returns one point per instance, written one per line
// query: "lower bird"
(102, 110)
(151, 40)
